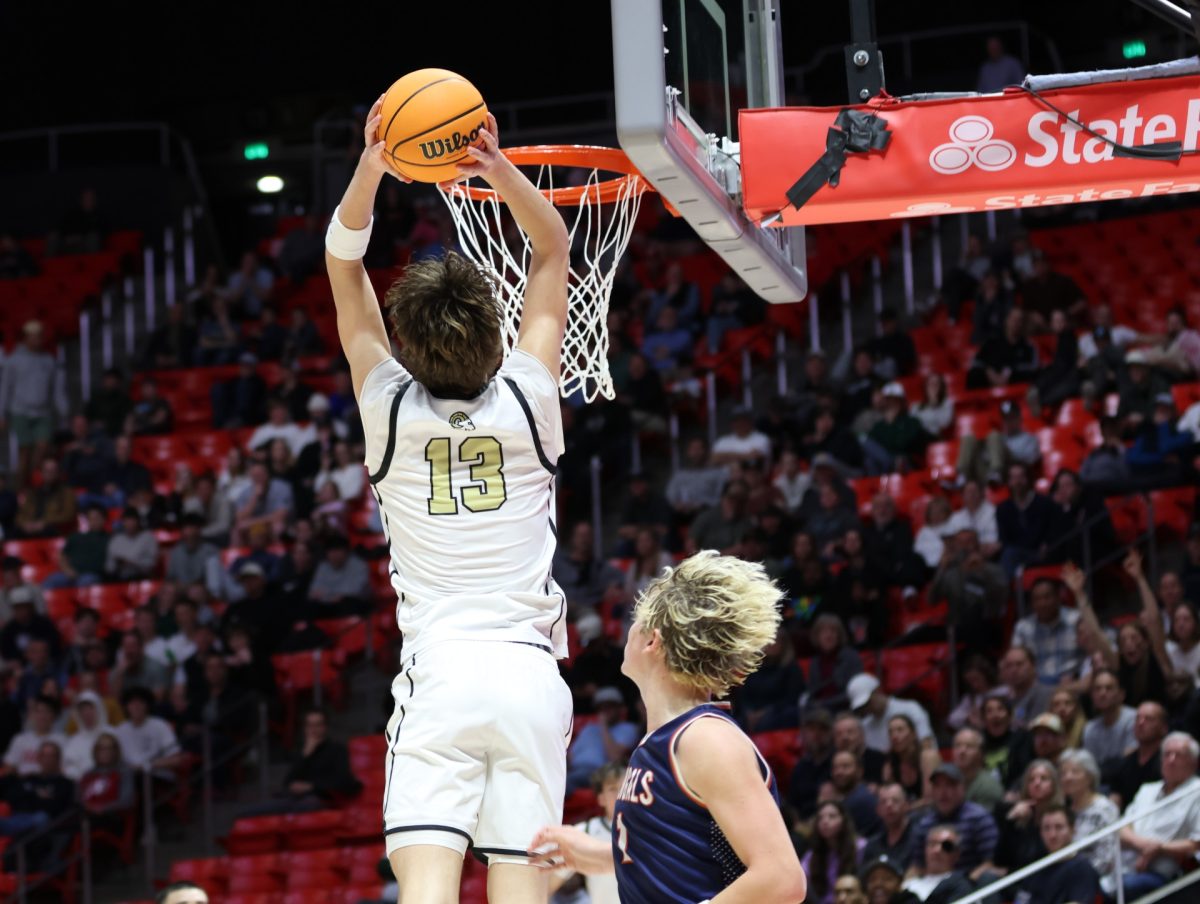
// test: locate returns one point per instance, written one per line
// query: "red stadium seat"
(781, 749)
(254, 882)
(255, 835)
(207, 873)
(306, 833)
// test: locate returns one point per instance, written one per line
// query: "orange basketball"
(430, 118)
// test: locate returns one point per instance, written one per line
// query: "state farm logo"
(971, 144)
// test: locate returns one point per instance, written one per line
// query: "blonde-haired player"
(461, 448)
(697, 817)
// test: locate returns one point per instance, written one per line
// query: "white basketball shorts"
(477, 748)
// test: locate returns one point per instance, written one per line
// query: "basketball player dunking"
(461, 452)
(697, 818)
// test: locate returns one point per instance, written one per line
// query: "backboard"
(682, 70)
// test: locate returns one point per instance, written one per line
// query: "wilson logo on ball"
(455, 142)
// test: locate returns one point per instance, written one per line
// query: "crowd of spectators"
(1084, 718)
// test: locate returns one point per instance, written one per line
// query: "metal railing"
(1075, 847)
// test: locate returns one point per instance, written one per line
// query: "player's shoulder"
(528, 371)
(386, 376)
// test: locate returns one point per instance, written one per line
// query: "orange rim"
(609, 160)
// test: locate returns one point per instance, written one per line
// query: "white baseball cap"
(860, 689)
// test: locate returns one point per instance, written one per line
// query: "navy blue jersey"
(666, 845)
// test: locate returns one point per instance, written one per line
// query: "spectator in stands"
(346, 474)
(981, 783)
(942, 880)
(790, 482)
(241, 401)
(644, 395)
(127, 476)
(81, 229)
(999, 70)
(1046, 291)
(133, 553)
(269, 336)
(889, 544)
(110, 405)
(266, 501)
(1006, 748)
(302, 338)
(22, 755)
(1156, 847)
(734, 307)
(91, 721)
(342, 584)
(15, 261)
(134, 670)
(1059, 379)
(846, 785)
(1067, 706)
(86, 632)
(1048, 737)
(608, 739)
(217, 339)
(249, 288)
(978, 515)
(174, 343)
(32, 399)
(181, 644)
(279, 425)
(881, 880)
(836, 851)
(1023, 520)
(48, 510)
(831, 519)
(1070, 880)
(147, 742)
(1004, 360)
(814, 384)
(893, 839)
(1144, 764)
(848, 735)
(1105, 467)
(668, 347)
(586, 580)
(1177, 352)
(856, 593)
(212, 507)
(876, 709)
(859, 386)
(893, 350)
(648, 561)
(319, 775)
(1091, 810)
(1139, 392)
(834, 661)
(680, 296)
(1012, 444)
(182, 893)
(833, 444)
(25, 626)
(152, 416)
(1019, 673)
(40, 671)
(935, 411)
(977, 834)
(36, 800)
(1160, 450)
(978, 679)
(897, 439)
(743, 444)
(294, 393)
(767, 699)
(1109, 734)
(1019, 840)
(107, 790)
(909, 763)
(11, 581)
(1050, 633)
(993, 302)
(930, 543)
(87, 460)
(812, 769)
(723, 526)
(188, 560)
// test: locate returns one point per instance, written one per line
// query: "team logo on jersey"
(461, 421)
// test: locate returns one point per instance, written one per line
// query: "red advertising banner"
(992, 152)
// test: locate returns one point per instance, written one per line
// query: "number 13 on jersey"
(486, 491)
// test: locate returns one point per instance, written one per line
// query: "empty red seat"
(781, 749)
(256, 835)
(306, 833)
(254, 882)
(209, 873)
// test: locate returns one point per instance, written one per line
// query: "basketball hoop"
(606, 192)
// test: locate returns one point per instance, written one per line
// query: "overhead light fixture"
(270, 185)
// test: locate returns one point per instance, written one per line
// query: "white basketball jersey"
(466, 490)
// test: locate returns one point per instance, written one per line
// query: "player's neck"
(667, 699)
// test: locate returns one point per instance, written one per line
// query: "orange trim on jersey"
(683, 786)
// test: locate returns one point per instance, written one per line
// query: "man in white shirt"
(279, 425)
(942, 846)
(1121, 336)
(1109, 735)
(979, 515)
(791, 483)
(696, 484)
(744, 443)
(22, 753)
(876, 709)
(91, 721)
(147, 742)
(1155, 846)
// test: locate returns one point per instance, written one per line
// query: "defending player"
(697, 817)
(461, 453)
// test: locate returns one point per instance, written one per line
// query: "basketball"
(430, 118)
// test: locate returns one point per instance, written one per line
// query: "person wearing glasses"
(942, 882)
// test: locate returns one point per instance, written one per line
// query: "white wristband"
(344, 243)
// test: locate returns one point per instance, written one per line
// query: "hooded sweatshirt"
(77, 755)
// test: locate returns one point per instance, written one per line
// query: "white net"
(603, 222)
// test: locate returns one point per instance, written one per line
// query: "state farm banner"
(991, 152)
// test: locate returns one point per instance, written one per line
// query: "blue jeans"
(58, 580)
(1138, 884)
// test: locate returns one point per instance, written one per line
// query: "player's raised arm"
(360, 323)
(544, 312)
(719, 765)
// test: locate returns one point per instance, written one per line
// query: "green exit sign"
(1133, 50)
(256, 151)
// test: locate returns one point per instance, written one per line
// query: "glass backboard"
(682, 70)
